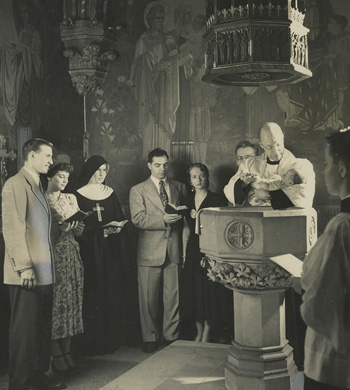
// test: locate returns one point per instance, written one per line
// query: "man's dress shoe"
(149, 346)
(43, 382)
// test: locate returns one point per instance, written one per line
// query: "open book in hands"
(78, 216)
(115, 224)
(172, 209)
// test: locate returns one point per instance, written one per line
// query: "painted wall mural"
(172, 107)
(154, 97)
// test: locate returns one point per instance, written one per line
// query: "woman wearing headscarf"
(104, 251)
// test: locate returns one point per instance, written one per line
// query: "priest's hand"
(260, 184)
(28, 279)
(247, 177)
(171, 218)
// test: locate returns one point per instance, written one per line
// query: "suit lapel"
(152, 194)
(36, 190)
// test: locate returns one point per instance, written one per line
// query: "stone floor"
(183, 365)
(96, 371)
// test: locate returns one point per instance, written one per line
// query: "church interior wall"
(234, 113)
(230, 114)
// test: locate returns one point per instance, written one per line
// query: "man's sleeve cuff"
(24, 269)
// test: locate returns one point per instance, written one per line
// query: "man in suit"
(158, 250)
(29, 270)
(243, 151)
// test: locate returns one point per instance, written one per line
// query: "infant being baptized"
(293, 177)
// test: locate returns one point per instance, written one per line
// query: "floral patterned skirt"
(68, 291)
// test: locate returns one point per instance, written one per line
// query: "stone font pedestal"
(238, 243)
(260, 356)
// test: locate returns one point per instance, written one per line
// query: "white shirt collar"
(156, 183)
(35, 176)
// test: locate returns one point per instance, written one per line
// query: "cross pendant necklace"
(98, 209)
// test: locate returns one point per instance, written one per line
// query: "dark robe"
(106, 262)
(201, 298)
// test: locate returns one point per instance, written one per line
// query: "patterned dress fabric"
(68, 291)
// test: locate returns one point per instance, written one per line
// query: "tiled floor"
(96, 371)
(182, 365)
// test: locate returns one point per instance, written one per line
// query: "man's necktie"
(162, 193)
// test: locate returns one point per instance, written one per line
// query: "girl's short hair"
(65, 167)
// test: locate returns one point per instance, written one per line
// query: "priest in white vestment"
(276, 160)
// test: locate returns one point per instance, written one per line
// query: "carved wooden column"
(238, 244)
(86, 34)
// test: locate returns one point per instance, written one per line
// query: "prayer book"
(172, 209)
(78, 216)
(290, 263)
(116, 223)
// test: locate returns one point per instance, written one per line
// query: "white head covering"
(93, 191)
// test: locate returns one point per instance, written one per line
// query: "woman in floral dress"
(68, 291)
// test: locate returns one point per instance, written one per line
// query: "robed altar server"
(326, 282)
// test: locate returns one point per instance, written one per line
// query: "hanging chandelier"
(255, 42)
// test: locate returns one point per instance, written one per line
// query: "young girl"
(326, 282)
(67, 318)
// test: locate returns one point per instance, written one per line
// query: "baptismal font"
(238, 243)
(256, 43)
